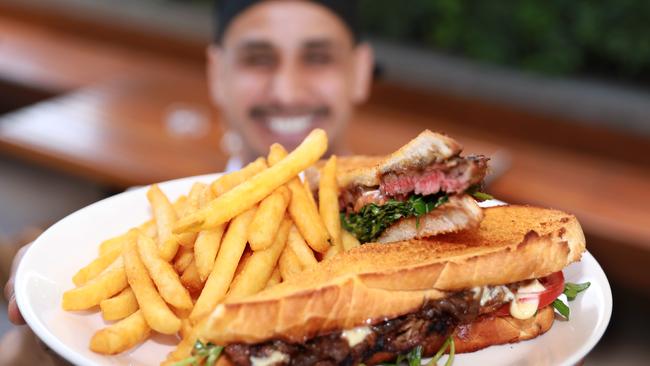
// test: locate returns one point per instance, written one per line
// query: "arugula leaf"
(562, 308)
(449, 343)
(202, 352)
(571, 290)
(475, 191)
(414, 358)
(368, 224)
(452, 351)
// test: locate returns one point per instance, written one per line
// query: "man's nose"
(287, 85)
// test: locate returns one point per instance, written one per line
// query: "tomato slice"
(553, 287)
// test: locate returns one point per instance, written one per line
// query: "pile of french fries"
(245, 232)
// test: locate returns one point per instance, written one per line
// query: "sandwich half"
(485, 286)
(422, 189)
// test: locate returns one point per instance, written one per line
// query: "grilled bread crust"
(489, 331)
(374, 282)
(427, 148)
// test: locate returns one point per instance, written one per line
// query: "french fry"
(119, 241)
(348, 240)
(163, 275)
(110, 282)
(270, 213)
(328, 201)
(155, 311)
(185, 239)
(302, 211)
(268, 218)
(149, 228)
(97, 266)
(255, 275)
(163, 213)
(195, 196)
(119, 306)
(170, 247)
(121, 336)
(248, 252)
(332, 252)
(232, 247)
(183, 349)
(302, 251)
(113, 244)
(307, 219)
(186, 325)
(276, 278)
(190, 278)
(206, 249)
(181, 206)
(188, 206)
(289, 264)
(228, 181)
(310, 193)
(165, 216)
(208, 241)
(245, 195)
(183, 259)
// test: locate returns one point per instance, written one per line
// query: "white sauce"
(275, 358)
(356, 335)
(526, 300)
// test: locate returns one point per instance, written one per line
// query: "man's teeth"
(289, 125)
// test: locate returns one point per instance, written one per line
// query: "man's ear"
(363, 66)
(214, 55)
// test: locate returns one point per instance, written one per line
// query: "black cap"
(228, 10)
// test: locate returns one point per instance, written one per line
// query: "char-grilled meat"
(432, 323)
(453, 176)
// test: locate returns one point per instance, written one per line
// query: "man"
(278, 69)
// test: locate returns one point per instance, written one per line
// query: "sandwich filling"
(408, 192)
(381, 341)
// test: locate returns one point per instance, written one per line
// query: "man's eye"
(318, 58)
(258, 60)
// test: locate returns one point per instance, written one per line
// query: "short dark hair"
(227, 10)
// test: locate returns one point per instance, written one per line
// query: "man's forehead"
(287, 23)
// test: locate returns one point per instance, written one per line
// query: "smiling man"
(280, 68)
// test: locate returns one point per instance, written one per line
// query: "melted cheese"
(526, 300)
(274, 358)
(356, 335)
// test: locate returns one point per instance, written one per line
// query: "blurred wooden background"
(98, 102)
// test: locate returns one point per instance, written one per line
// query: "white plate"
(48, 266)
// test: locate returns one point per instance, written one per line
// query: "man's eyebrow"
(318, 43)
(254, 45)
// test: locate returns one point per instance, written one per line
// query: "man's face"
(285, 68)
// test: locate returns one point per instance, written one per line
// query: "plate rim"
(61, 348)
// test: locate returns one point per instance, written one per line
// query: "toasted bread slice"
(377, 281)
(459, 213)
(428, 147)
(490, 331)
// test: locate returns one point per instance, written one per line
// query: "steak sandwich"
(489, 285)
(422, 189)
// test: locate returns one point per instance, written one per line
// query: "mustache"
(261, 111)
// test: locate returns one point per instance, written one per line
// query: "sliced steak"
(453, 176)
